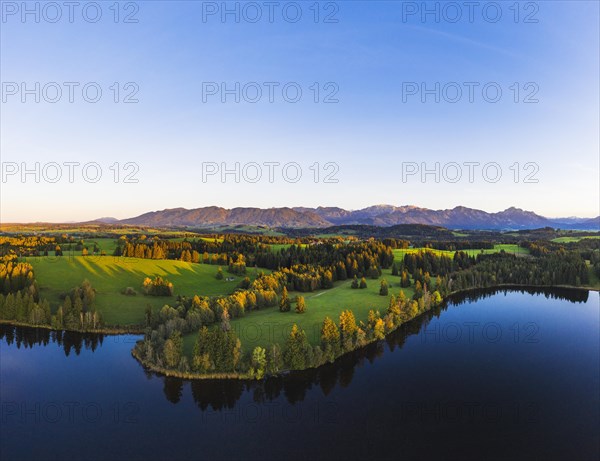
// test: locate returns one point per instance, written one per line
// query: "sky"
(116, 109)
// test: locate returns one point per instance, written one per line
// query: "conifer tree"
(284, 302)
(300, 305)
(383, 289)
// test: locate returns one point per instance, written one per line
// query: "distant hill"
(107, 220)
(216, 216)
(379, 215)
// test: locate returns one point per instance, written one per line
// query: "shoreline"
(522, 286)
(107, 331)
(246, 377)
(139, 330)
(136, 330)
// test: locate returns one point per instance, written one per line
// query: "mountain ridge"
(459, 217)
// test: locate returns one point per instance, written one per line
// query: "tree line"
(457, 245)
(76, 311)
(560, 268)
(15, 275)
(356, 257)
(218, 349)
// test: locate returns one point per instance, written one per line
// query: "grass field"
(509, 248)
(266, 326)
(110, 275)
(106, 244)
(275, 247)
(574, 239)
(196, 237)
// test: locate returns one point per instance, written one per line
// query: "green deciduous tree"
(258, 363)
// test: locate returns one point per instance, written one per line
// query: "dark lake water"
(492, 375)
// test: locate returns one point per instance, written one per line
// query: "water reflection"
(68, 341)
(565, 294)
(223, 394)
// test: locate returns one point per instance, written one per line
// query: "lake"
(492, 374)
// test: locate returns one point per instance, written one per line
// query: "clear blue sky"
(368, 55)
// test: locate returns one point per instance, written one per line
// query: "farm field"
(110, 275)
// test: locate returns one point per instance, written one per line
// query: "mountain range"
(378, 215)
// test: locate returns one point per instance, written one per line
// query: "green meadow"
(574, 239)
(110, 275)
(269, 325)
(107, 245)
(508, 248)
(275, 247)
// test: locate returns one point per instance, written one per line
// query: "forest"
(411, 283)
